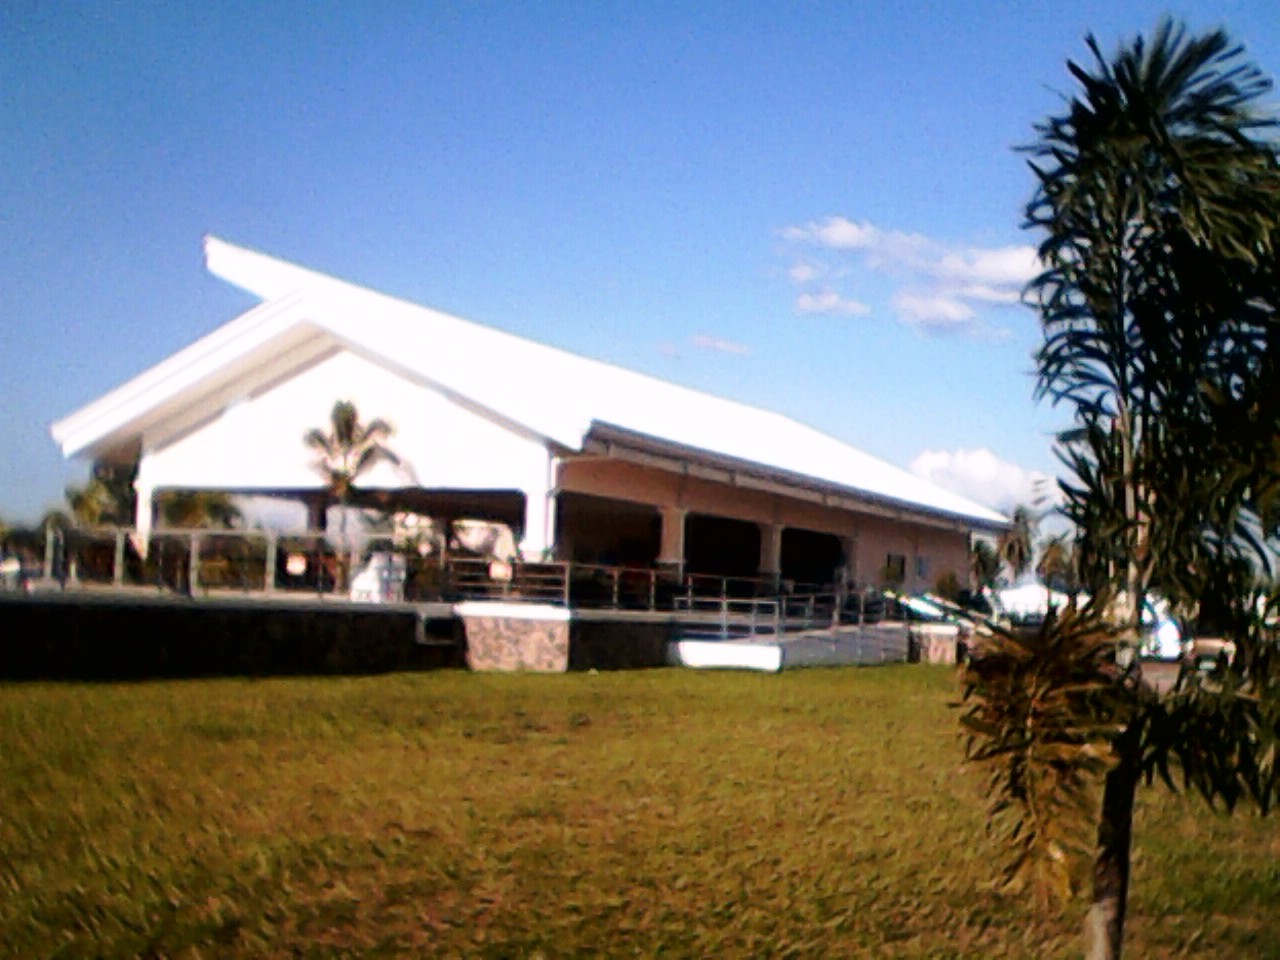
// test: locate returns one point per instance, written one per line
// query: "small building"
(586, 461)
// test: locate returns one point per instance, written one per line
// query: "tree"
(1017, 544)
(106, 499)
(1157, 195)
(348, 450)
(984, 564)
(1057, 563)
(194, 509)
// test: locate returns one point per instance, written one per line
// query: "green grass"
(813, 814)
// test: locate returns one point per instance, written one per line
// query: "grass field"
(820, 813)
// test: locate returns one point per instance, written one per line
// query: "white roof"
(549, 392)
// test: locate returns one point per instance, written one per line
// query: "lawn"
(812, 814)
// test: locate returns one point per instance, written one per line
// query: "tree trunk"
(1104, 924)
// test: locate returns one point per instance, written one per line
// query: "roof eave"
(93, 423)
(612, 439)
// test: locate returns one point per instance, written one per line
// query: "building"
(586, 461)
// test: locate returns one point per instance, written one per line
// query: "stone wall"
(514, 636)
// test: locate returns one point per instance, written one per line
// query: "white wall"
(256, 443)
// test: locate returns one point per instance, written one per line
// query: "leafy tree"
(348, 450)
(1158, 200)
(106, 499)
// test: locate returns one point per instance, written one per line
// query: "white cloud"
(705, 341)
(936, 311)
(982, 476)
(803, 273)
(845, 234)
(828, 301)
(938, 286)
(988, 294)
(668, 350)
(1002, 267)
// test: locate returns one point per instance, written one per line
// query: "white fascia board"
(264, 276)
(166, 380)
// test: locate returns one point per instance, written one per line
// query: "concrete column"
(538, 537)
(671, 545)
(143, 516)
(850, 547)
(771, 549)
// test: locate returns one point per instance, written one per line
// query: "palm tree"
(1153, 197)
(345, 453)
(348, 450)
(1017, 544)
(1157, 197)
(1057, 563)
(984, 564)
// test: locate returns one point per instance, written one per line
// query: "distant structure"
(585, 461)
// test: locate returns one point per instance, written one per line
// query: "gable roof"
(549, 392)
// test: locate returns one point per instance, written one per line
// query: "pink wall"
(929, 550)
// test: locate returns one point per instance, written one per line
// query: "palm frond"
(1040, 711)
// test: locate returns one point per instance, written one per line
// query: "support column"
(538, 537)
(144, 513)
(913, 575)
(193, 565)
(771, 550)
(671, 543)
(51, 537)
(269, 567)
(850, 547)
(117, 561)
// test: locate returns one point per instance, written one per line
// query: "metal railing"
(201, 563)
(727, 618)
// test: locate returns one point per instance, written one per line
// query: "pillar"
(671, 544)
(538, 537)
(269, 568)
(771, 549)
(850, 548)
(143, 515)
(117, 561)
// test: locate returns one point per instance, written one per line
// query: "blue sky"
(813, 208)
